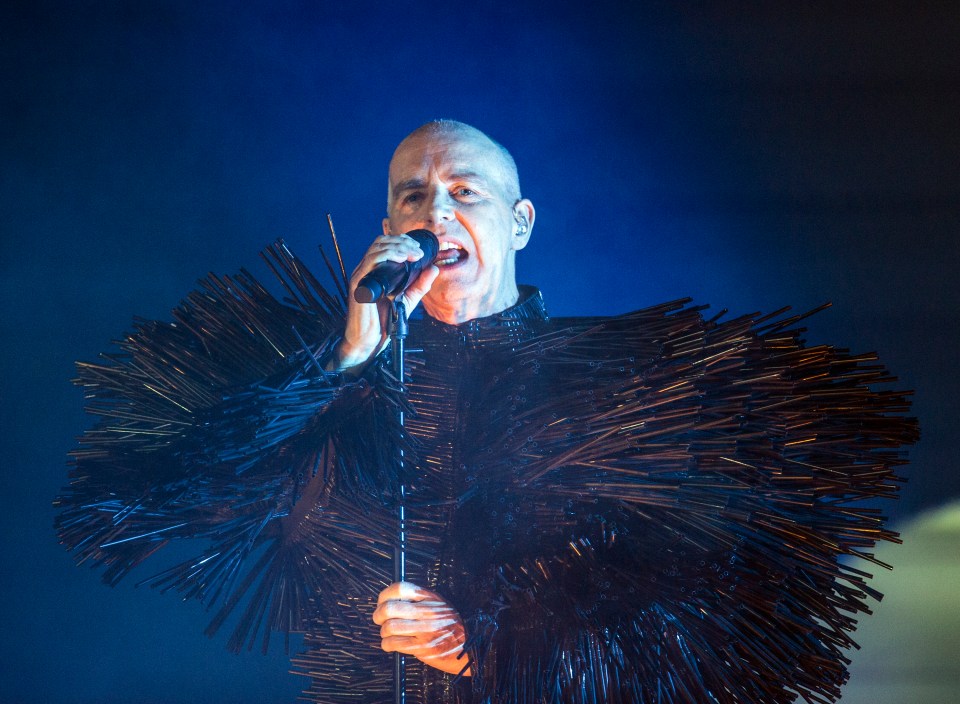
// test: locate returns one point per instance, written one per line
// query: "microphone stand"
(398, 334)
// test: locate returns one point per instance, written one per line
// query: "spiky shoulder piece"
(222, 425)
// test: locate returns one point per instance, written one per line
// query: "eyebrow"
(408, 185)
(414, 183)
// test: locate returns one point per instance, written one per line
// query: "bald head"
(506, 172)
(452, 179)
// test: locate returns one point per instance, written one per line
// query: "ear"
(524, 215)
(386, 226)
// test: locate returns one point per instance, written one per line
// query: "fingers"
(423, 638)
(439, 647)
(386, 248)
(396, 248)
(419, 288)
(406, 601)
(407, 613)
(416, 628)
(406, 591)
(418, 622)
(415, 611)
(365, 332)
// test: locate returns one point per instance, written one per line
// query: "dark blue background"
(751, 158)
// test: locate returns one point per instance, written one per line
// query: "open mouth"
(450, 254)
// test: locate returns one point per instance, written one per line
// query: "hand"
(418, 622)
(366, 331)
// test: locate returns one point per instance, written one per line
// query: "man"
(453, 180)
(642, 508)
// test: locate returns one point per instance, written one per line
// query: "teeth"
(449, 245)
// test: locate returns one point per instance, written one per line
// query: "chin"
(443, 292)
(458, 282)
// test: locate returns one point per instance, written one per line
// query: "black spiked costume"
(651, 507)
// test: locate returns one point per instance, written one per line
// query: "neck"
(460, 311)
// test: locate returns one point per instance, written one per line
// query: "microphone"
(392, 278)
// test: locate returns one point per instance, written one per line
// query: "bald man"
(451, 179)
(636, 508)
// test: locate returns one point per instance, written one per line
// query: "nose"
(440, 207)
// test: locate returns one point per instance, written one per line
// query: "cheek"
(465, 221)
(400, 223)
(492, 235)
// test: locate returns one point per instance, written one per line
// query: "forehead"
(420, 156)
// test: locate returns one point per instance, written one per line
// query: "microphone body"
(392, 278)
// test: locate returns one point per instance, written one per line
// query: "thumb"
(419, 288)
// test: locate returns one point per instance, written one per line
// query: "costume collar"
(516, 323)
(529, 307)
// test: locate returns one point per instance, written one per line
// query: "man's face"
(457, 186)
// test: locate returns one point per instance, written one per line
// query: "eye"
(412, 198)
(465, 194)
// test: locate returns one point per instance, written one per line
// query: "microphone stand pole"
(398, 334)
